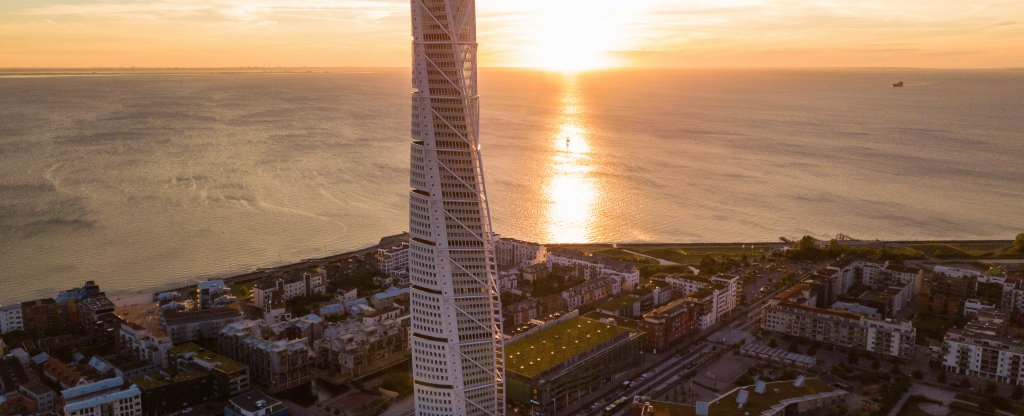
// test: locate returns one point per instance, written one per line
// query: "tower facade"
(456, 334)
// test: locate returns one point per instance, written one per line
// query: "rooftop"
(619, 321)
(98, 303)
(616, 304)
(757, 403)
(556, 344)
(152, 381)
(253, 401)
(215, 361)
(173, 317)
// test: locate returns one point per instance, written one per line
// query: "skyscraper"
(457, 348)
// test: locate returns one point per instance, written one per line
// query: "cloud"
(512, 33)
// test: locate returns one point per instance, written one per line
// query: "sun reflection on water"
(571, 190)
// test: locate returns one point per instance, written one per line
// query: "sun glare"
(571, 189)
(573, 36)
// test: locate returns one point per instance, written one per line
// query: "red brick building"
(670, 323)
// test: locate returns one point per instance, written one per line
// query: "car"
(645, 376)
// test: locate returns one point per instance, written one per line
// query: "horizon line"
(613, 68)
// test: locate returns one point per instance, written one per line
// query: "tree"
(991, 388)
(876, 364)
(942, 377)
(853, 357)
(1018, 393)
(918, 374)
(1018, 243)
(806, 242)
(772, 343)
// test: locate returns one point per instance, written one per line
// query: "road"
(673, 367)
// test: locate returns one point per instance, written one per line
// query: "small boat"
(898, 84)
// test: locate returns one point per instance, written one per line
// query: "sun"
(573, 36)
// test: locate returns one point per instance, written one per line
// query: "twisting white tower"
(457, 347)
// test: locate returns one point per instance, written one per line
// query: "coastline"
(123, 299)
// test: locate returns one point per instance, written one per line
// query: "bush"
(917, 374)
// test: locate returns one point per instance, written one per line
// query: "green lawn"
(623, 255)
(554, 345)
(242, 291)
(692, 254)
(958, 250)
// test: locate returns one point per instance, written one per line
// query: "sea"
(147, 179)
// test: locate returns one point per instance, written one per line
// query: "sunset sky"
(556, 34)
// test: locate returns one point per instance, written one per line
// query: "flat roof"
(556, 344)
(253, 401)
(220, 362)
(153, 381)
(757, 403)
(619, 302)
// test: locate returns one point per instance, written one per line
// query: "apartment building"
(10, 318)
(103, 398)
(230, 377)
(668, 324)
(510, 252)
(359, 347)
(185, 326)
(288, 287)
(793, 313)
(140, 343)
(95, 308)
(590, 266)
(717, 296)
(591, 291)
(983, 348)
(276, 365)
(394, 261)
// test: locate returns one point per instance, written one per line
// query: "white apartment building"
(140, 343)
(592, 266)
(394, 261)
(509, 279)
(888, 337)
(510, 252)
(983, 349)
(296, 285)
(103, 398)
(10, 318)
(718, 296)
(793, 313)
(957, 272)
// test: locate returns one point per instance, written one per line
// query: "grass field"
(692, 254)
(623, 255)
(957, 250)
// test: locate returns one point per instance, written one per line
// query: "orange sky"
(557, 34)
